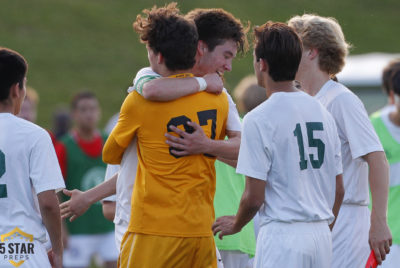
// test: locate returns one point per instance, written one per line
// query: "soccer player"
(29, 176)
(364, 161)
(221, 36)
(387, 89)
(387, 126)
(83, 169)
(290, 154)
(172, 209)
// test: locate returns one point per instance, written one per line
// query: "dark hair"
(168, 33)
(215, 26)
(387, 73)
(280, 46)
(80, 96)
(13, 69)
(395, 80)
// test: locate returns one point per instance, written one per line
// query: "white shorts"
(350, 237)
(82, 247)
(120, 229)
(393, 258)
(234, 259)
(300, 244)
(35, 258)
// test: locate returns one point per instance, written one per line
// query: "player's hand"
(380, 239)
(224, 225)
(76, 206)
(188, 143)
(55, 259)
(214, 83)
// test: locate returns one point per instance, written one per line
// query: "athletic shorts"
(301, 244)
(120, 228)
(151, 251)
(81, 248)
(350, 237)
(393, 258)
(34, 256)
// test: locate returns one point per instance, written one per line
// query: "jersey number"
(311, 127)
(203, 117)
(3, 187)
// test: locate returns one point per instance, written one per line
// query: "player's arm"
(80, 201)
(198, 143)
(380, 238)
(124, 132)
(339, 195)
(48, 204)
(252, 199)
(109, 209)
(167, 89)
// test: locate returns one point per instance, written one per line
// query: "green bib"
(85, 172)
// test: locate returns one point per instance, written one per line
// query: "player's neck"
(7, 107)
(394, 117)
(86, 133)
(281, 86)
(313, 81)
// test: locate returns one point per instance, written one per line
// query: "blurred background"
(76, 45)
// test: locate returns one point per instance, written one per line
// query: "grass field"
(73, 45)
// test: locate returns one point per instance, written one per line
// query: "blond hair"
(248, 94)
(325, 35)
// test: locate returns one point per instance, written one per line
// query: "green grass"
(73, 45)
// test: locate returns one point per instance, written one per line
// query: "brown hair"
(280, 46)
(168, 33)
(13, 69)
(387, 73)
(326, 35)
(80, 96)
(215, 26)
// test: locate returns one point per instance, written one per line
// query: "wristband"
(202, 83)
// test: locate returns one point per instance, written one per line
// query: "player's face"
(220, 59)
(87, 113)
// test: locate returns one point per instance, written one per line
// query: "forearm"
(339, 195)
(50, 212)
(166, 89)
(379, 184)
(227, 149)
(246, 212)
(102, 190)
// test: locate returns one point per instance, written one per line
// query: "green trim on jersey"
(143, 80)
(85, 172)
(392, 150)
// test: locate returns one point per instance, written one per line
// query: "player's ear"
(15, 91)
(201, 48)
(263, 65)
(160, 58)
(312, 53)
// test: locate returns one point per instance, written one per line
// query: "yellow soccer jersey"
(172, 196)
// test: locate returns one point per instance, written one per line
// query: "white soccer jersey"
(28, 166)
(233, 123)
(357, 137)
(291, 142)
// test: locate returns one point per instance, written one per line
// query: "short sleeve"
(142, 77)
(353, 123)
(233, 123)
(254, 154)
(44, 170)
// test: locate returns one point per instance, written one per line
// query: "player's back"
(22, 145)
(174, 195)
(301, 141)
